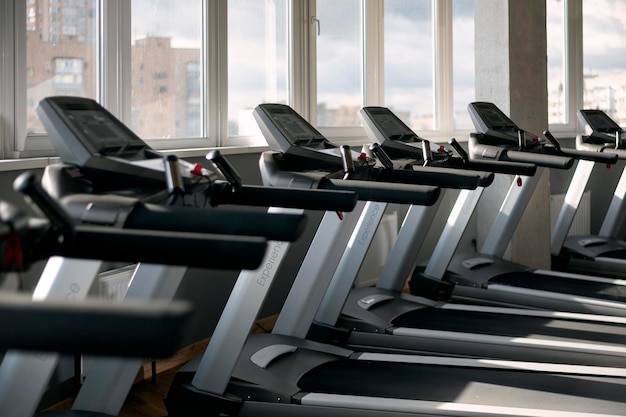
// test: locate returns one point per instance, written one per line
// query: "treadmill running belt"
(510, 325)
(562, 285)
(496, 387)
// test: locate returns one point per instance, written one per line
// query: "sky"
(408, 52)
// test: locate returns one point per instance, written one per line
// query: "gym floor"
(146, 397)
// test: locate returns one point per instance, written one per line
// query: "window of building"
(68, 75)
(604, 58)
(586, 68)
(215, 60)
(165, 35)
(58, 65)
(557, 91)
(258, 63)
(409, 62)
(463, 68)
(339, 29)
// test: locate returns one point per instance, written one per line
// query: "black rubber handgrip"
(386, 192)
(95, 326)
(128, 212)
(543, 160)
(600, 157)
(503, 167)
(443, 177)
(173, 177)
(27, 184)
(272, 226)
(228, 171)
(171, 248)
(292, 198)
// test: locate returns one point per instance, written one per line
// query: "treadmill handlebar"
(131, 213)
(443, 177)
(252, 195)
(134, 328)
(606, 157)
(164, 247)
(480, 151)
(539, 159)
(225, 168)
(66, 238)
(27, 184)
(427, 175)
(503, 167)
(385, 192)
(173, 177)
(326, 200)
(171, 248)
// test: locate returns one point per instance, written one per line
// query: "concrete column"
(511, 71)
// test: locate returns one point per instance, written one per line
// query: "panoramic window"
(339, 62)
(188, 74)
(464, 82)
(604, 58)
(166, 77)
(557, 89)
(258, 67)
(409, 65)
(61, 53)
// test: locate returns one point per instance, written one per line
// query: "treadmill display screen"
(393, 127)
(599, 121)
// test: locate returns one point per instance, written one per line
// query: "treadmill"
(485, 277)
(603, 253)
(97, 326)
(101, 194)
(384, 318)
(75, 254)
(269, 374)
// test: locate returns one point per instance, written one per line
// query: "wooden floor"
(144, 400)
(149, 390)
(146, 397)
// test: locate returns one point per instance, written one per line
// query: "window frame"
(572, 68)
(373, 71)
(114, 73)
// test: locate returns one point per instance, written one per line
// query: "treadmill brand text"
(369, 225)
(268, 269)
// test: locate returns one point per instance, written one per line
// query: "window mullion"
(299, 57)
(8, 68)
(443, 66)
(574, 61)
(216, 87)
(311, 30)
(125, 69)
(115, 70)
(18, 77)
(373, 52)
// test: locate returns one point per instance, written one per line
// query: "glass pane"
(61, 52)
(604, 58)
(167, 68)
(557, 98)
(463, 58)
(339, 62)
(258, 69)
(409, 62)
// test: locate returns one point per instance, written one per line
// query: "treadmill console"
(87, 135)
(603, 129)
(287, 132)
(491, 122)
(394, 136)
